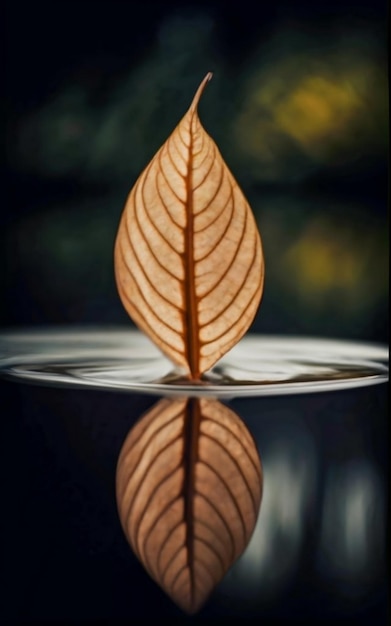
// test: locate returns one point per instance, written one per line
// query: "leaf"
(188, 256)
(189, 487)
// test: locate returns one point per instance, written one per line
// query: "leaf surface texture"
(188, 255)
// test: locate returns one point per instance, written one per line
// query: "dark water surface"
(318, 551)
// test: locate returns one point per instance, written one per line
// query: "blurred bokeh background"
(298, 106)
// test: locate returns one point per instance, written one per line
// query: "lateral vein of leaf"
(146, 276)
(204, 158)
(230, 264)
(221, 517)
(221, 237)
(186, 145)
(159, 234)
(198, 561)
(159, 156)
(171, 562)
(160, 409)
(231, 495)
(232, 434)
(213, 550)
(162, 450)
(179, 572)
(155, 228)
(173, 139)
(165, 207)
(238, 467)
(143, 548)
(150, 437)
(170, 158)
(216, 217)
(231, 341)
(203, 136)
(150, 311)
(212, 531)
(142, 480)
(207, 173)
(150, 249)
(136, 309)
(184, 583)
(170, 532)
(230, 302)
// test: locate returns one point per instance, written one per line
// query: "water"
(319, 420)
(125, 360)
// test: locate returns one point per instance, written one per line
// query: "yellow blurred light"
(312, 108)
(316, 110)
(323, 260)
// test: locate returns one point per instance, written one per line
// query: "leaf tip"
(200, 90)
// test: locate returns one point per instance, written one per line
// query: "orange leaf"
(189, 487)
(188, 256)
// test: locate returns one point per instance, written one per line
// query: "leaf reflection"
(189, 487)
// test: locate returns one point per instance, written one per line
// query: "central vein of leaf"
(191, 318)
(190, 456)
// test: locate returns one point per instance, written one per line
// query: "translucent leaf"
(189, 487)
(188, 256)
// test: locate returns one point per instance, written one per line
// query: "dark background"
(299, 108)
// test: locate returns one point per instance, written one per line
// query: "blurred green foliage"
(302, 102)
